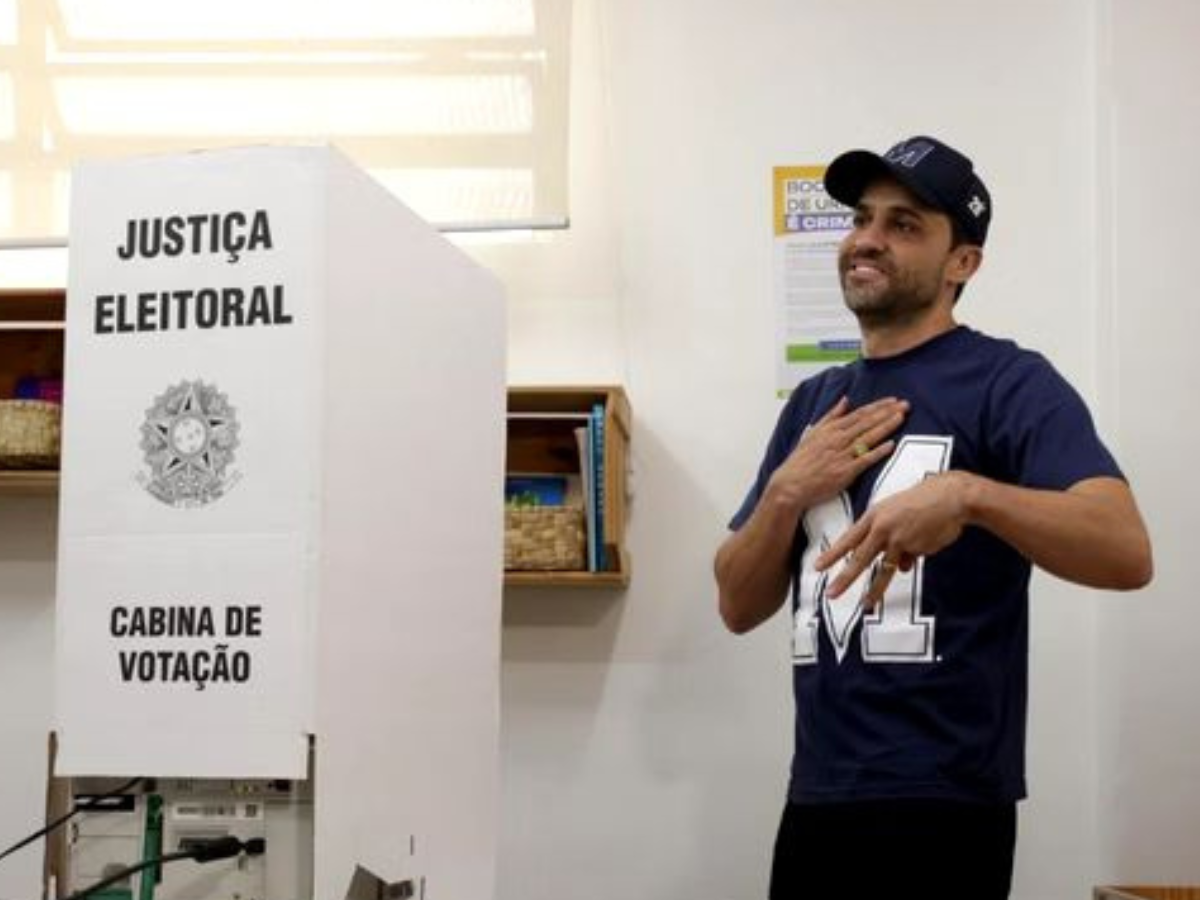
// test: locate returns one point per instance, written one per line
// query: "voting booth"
(280, 553)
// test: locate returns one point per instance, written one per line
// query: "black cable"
(127, 871)
(91, 803)
(207, 851)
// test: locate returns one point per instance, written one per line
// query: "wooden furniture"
(31, 344)
(541, 438)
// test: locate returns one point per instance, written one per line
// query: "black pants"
(894, 849)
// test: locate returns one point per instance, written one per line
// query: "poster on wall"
(189, 469)
(813, 327)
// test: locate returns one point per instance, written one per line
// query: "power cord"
(90, 803)
(203, 852)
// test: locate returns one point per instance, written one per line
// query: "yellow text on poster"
(802, 204)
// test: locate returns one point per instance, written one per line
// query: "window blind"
(458, 106)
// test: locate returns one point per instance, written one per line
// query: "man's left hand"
(916, 522)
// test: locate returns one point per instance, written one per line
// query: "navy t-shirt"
(926, 696)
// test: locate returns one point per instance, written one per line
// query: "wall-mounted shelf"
(614, 580)
(541, 438)
(28, 481)
(31, 344)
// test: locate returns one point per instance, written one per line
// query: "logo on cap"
(909, 154)
(977, 206)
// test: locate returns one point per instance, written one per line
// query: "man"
(901, 502)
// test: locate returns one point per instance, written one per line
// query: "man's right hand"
(752, 565)
(842, 445)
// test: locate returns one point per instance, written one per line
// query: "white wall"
(27, 528)
(1149, 651)
(645, 749)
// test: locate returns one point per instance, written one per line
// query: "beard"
(898, 297)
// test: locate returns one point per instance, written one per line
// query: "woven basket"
(30, 431)
(545, 538)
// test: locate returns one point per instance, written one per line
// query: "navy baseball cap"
(938, 174)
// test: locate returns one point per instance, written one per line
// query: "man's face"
(893, 264)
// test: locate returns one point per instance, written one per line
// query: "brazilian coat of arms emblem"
(188, 441)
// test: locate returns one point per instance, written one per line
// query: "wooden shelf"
(610, 580)
(31, 345)
(28, 481)
(31, 336)
(40, 307)
(541, 438)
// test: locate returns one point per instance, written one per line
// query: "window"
(459, 106)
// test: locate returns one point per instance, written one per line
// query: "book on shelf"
(535, 489)
(598, 491)
(583, 438)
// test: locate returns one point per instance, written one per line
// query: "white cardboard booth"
(281, 504)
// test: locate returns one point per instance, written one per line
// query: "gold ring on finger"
(860, 448)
